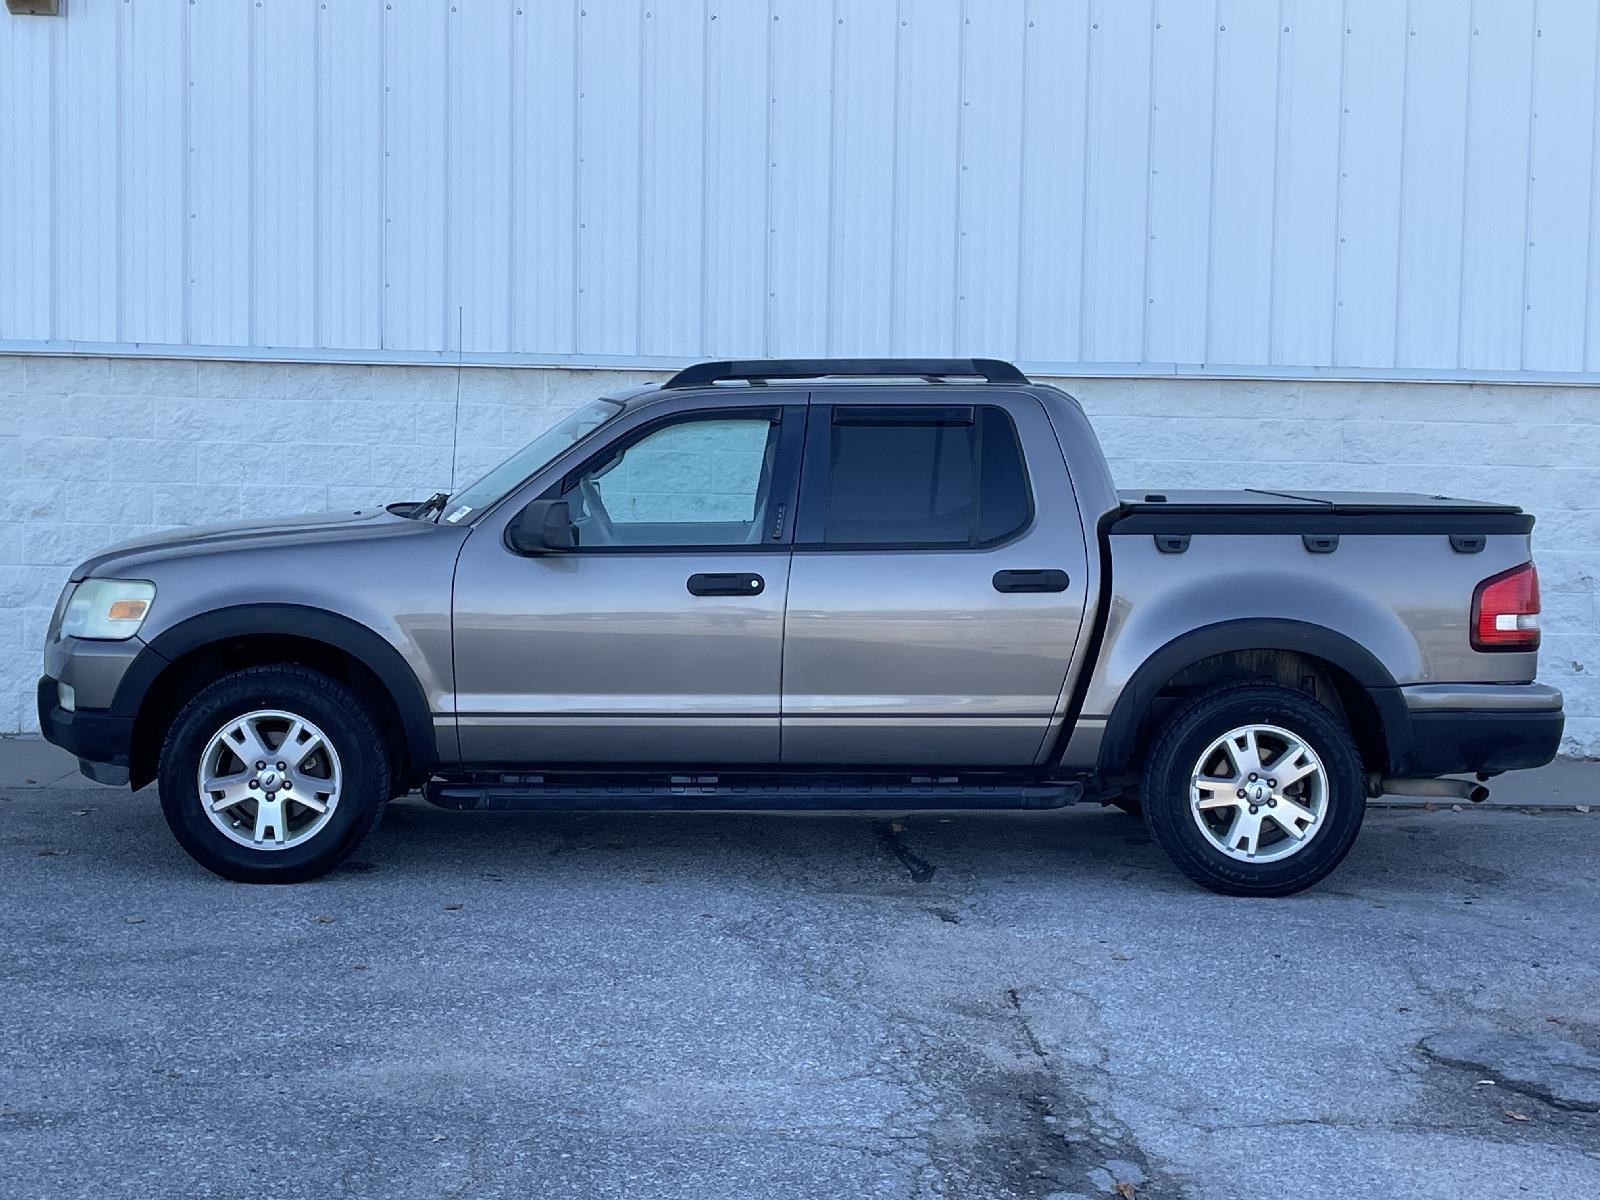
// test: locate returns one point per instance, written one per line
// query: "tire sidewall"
(323, 701)
(1193, 729)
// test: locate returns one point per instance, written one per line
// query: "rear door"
(937, 585)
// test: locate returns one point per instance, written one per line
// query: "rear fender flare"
(1120, 743)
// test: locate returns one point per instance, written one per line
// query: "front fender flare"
(300, 621)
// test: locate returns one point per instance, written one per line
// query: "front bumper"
(1466, 728)
(101, 740)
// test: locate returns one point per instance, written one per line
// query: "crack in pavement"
(890, 836)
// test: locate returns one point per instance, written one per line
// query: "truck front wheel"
(273, 774)
(1254, 789)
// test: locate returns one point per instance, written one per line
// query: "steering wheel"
(598, 517)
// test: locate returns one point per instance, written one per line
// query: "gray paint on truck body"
(850, 658)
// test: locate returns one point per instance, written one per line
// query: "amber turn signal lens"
(127, 610)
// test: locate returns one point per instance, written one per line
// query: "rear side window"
(922, 477)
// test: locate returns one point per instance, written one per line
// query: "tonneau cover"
(1257, 500)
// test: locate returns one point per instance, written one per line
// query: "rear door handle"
(1048, 580)
(733, 583)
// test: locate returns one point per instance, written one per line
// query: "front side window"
(923, 477)
(696, 482)
(531, 459)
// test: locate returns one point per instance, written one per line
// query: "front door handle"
(733, 583)
(1030, 581)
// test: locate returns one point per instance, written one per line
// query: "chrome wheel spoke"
(269, 821)
(1292, 818)
(1244, 831)
(234, 788)
(308, 799)
(297, 745)
(1243, 749)
(244, 739)
(1217, 793)
(1294, 764)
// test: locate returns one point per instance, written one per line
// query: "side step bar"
(688, 792)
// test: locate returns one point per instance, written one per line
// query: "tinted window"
(950, 477)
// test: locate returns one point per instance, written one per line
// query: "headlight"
(112, 609)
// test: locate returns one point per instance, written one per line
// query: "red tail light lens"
(1505, 610)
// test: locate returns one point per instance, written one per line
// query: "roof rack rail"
(757, 370)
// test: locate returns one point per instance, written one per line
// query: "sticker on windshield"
(459, 513)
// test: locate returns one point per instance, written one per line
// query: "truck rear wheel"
(273, 774)
(1254, 789)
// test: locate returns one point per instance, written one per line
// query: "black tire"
(1178, 747)
(329, 704)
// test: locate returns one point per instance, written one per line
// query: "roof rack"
(758, 370)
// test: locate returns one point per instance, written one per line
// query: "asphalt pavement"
(709, 1006)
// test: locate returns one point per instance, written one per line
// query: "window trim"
(791, 421)
(816, 475)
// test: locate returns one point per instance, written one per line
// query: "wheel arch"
(181, 660)
(1363, 687)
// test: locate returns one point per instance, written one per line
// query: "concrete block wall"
(94, 450)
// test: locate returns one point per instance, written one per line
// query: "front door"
(938, 584)
(659, 637)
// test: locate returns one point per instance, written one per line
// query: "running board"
(707, 792)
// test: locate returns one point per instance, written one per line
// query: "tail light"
(1505, 610)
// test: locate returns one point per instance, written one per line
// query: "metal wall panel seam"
(1149, 191)
(579, 192)
(319, 334)
(386, 180)
(1527, 191)
(1211, 167)
(120, 151)
(1277, 154)
(705, 173)
(894, 172)
(514, 166)
(1090, 72)
(1338, 208)
(1591, 300)
(188, 173)
(642, 66)
(449, 281)
(1022, 178)
(1400, 191)
(251, 29)
(1466, 174)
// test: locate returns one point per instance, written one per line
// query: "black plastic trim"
(1305, 519)
(1456, 742)
(257, 620)
(1123, 727)
(100, 737)
(991, 370)
(700, 788)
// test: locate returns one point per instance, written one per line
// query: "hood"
(193, 540)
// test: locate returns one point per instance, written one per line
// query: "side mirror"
(543, 526)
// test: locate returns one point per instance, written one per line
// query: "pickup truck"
(886, 584)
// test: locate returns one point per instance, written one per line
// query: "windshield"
(530, 459)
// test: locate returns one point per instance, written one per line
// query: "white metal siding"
(1263, 186)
